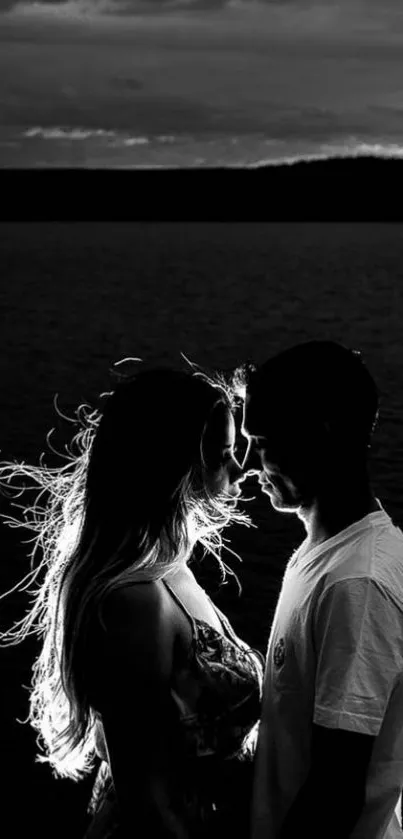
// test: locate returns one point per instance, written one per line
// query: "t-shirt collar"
(378, 517)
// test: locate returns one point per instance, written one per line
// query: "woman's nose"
(251, 462)
(238, 475)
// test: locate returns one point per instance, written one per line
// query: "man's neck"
(334, 510)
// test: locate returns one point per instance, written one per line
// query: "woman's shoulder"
(134, 607)
(136, 641)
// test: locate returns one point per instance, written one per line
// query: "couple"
(139, 668)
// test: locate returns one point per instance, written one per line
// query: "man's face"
(278, 452)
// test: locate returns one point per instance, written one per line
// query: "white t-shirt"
(335, 658)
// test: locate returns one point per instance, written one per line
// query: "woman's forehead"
(220, 421)
(225, 426)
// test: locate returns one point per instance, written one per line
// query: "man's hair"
(327, 380)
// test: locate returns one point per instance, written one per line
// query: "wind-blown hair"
(130, 503)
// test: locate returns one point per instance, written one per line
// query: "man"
(329, 761)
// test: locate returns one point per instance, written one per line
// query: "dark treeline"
(338, 189)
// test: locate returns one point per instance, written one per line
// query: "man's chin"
(278, 502)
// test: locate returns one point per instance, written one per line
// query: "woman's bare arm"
(141, 727)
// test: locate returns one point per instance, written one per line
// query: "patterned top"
(217, 693)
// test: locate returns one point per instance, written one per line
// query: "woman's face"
(223, 472)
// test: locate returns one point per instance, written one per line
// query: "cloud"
(297, 17)
(137, 112)
(147, 114)
(65, 134)
(77, 135)
(126, 84)
(225, 23)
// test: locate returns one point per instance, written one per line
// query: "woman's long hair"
(130, 503)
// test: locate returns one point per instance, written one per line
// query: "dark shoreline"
(339, 189)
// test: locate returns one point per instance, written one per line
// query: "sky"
(198, 82)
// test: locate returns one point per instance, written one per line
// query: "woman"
(137, 666)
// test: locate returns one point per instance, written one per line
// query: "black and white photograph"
(201, 423)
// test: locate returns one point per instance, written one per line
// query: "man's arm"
(331, 800)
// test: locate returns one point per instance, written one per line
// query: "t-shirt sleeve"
(357, 637)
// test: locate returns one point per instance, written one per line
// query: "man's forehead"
(261, 419)
(254, 417)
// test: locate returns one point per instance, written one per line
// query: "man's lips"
(265, 481)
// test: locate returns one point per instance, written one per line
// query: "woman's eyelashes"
(230, 454)
(224, 457)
